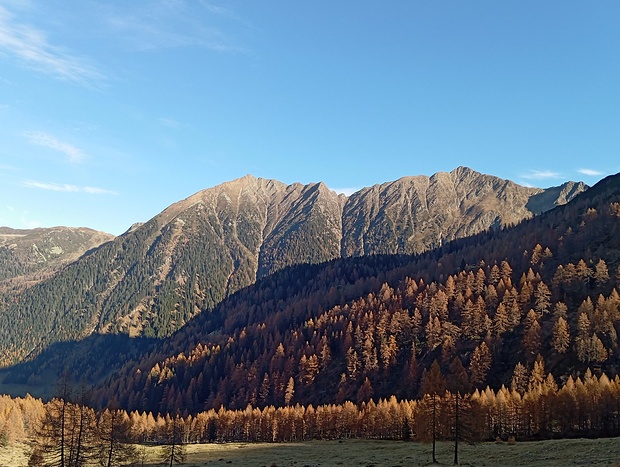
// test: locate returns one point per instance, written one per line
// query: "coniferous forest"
(511, 333)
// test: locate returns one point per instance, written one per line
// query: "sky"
(112, 110)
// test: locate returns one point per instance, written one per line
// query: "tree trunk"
(434, 426)
(456, 429)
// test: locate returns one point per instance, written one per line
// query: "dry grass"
(14, 455)
(598, 452)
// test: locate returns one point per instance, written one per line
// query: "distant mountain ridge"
(29, 255)
(155, 277)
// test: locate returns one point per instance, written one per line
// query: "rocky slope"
(158, 275)
(415, 214)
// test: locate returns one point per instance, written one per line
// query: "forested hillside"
(511, 304)
(157, 276)
(30, 256)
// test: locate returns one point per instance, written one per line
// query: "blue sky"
(112, 110)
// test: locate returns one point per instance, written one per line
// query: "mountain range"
(530, 306)
(158, 275)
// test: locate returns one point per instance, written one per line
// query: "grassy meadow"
(595, 452)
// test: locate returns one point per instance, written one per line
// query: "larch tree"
(53, 432)
(597, 351)
(86, 428)
(458, 385)
(537, 377)
(532, 337)
(542, 298)
(560, 310)
(289, 392)
(433, 333)
(433, 384)
(308, 368)
(519, 379)
(480, 364)
(601, 275)
(365, 392)
(388, 351)
(582, 341)
(173, 452)
(561, 336)
(353, 364)
(369, 353)
(114, 433)
(500, 321)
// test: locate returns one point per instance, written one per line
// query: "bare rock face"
(155, 277)
(415, 214)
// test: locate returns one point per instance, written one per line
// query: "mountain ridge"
(187, 259)
(28, 256)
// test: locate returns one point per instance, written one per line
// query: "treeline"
(588, 406)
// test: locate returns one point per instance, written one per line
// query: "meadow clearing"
(596, 452)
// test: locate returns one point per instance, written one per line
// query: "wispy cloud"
(169, 122)
(541, 175)
(215, 8)
(346, 191)
(169, 24)
(590, 172)
(66, 188)
(46, 140)
(30, 47)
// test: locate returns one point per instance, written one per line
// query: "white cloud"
(39, 138)
(66, 188)
(30, 47)
(541, 175)
(346, 191)
(590, 172)
(216, 8)
(168, 24)
(169, 122)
